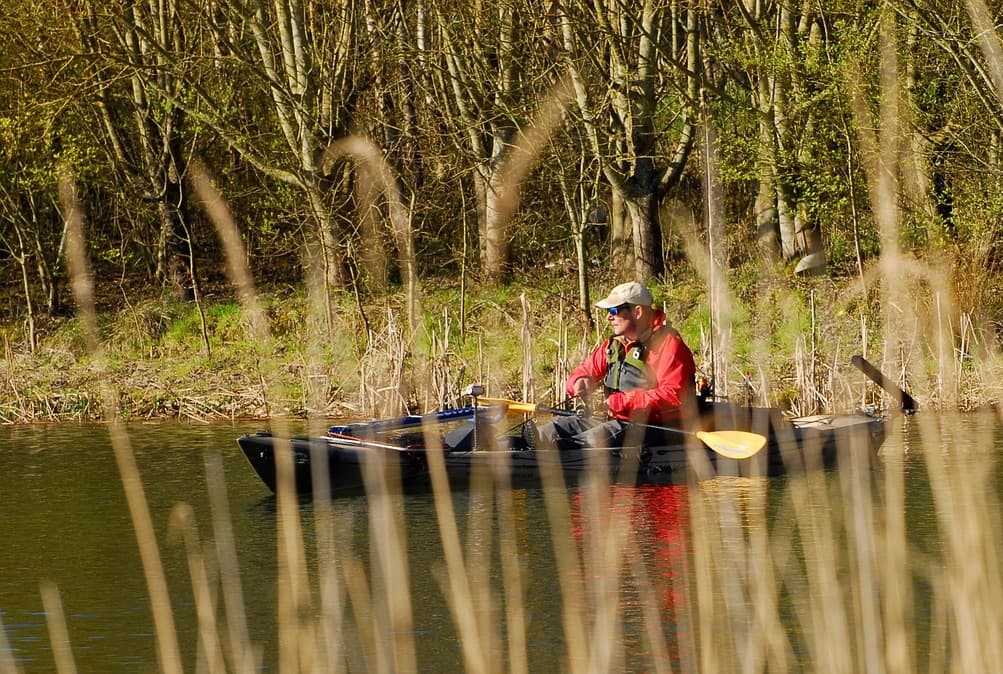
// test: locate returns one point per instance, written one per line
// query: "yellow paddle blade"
(514, 406)
(733, 444)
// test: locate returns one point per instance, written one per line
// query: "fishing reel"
(592, 406)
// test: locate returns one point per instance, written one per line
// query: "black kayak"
(485, 440)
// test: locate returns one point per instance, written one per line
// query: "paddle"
(731, 444)
(525, 408)
(905, 401)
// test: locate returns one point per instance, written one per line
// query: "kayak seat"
(465, 437)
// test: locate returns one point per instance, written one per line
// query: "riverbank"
(787, 344)
(159, 361)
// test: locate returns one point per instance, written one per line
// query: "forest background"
(431, 193)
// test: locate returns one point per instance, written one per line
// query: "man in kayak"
(645, 370)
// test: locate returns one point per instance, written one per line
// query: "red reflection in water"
(664, 512)
(659, 521)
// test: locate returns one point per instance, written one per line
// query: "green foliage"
(69, 337)
(779, 106)
(232, 123)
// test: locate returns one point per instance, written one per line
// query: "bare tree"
(30, 227)
(300, 57)
(624, 61)
(779, 37)
(35, 134)
(942, 35)
(132, 50)
(280, 88)
(489, 72)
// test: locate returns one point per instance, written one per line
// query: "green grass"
(776, 330)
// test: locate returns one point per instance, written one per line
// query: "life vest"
(625, 367)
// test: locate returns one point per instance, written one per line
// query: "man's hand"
(582, 387)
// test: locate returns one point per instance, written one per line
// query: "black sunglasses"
(613, 311)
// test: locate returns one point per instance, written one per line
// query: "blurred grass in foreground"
(818, 574)
(812, 572)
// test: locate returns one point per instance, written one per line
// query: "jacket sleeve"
(593, 367)
(674, 369)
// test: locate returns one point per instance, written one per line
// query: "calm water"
(65, 520)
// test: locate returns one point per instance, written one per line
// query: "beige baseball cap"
(631, 292)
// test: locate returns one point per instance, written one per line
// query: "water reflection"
(682, 565)
(65, 521)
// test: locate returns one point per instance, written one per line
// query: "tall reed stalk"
(83, 293)
(814, 573)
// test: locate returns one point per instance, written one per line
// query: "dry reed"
(168, 650)
(815, 574)
(823, 583)
(59, 635)
(8, 664)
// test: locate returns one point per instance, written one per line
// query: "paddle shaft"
(527, 408)
(732, 444)
(530, 408)
(905, 401)
(665, 428)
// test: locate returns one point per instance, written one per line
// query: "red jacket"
(670, 360)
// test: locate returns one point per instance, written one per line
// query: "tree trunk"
(331, 255)
(481, 190)
(620, 236)
(492, 225)
(174, 263)
(785, 220)
(767, 217)
(44, 265)
(647, 233)
(495, 264)
(371, 239)
(576, 204)
(22, 260)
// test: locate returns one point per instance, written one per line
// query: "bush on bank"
(776, 341)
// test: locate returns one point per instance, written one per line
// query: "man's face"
(623, 319)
